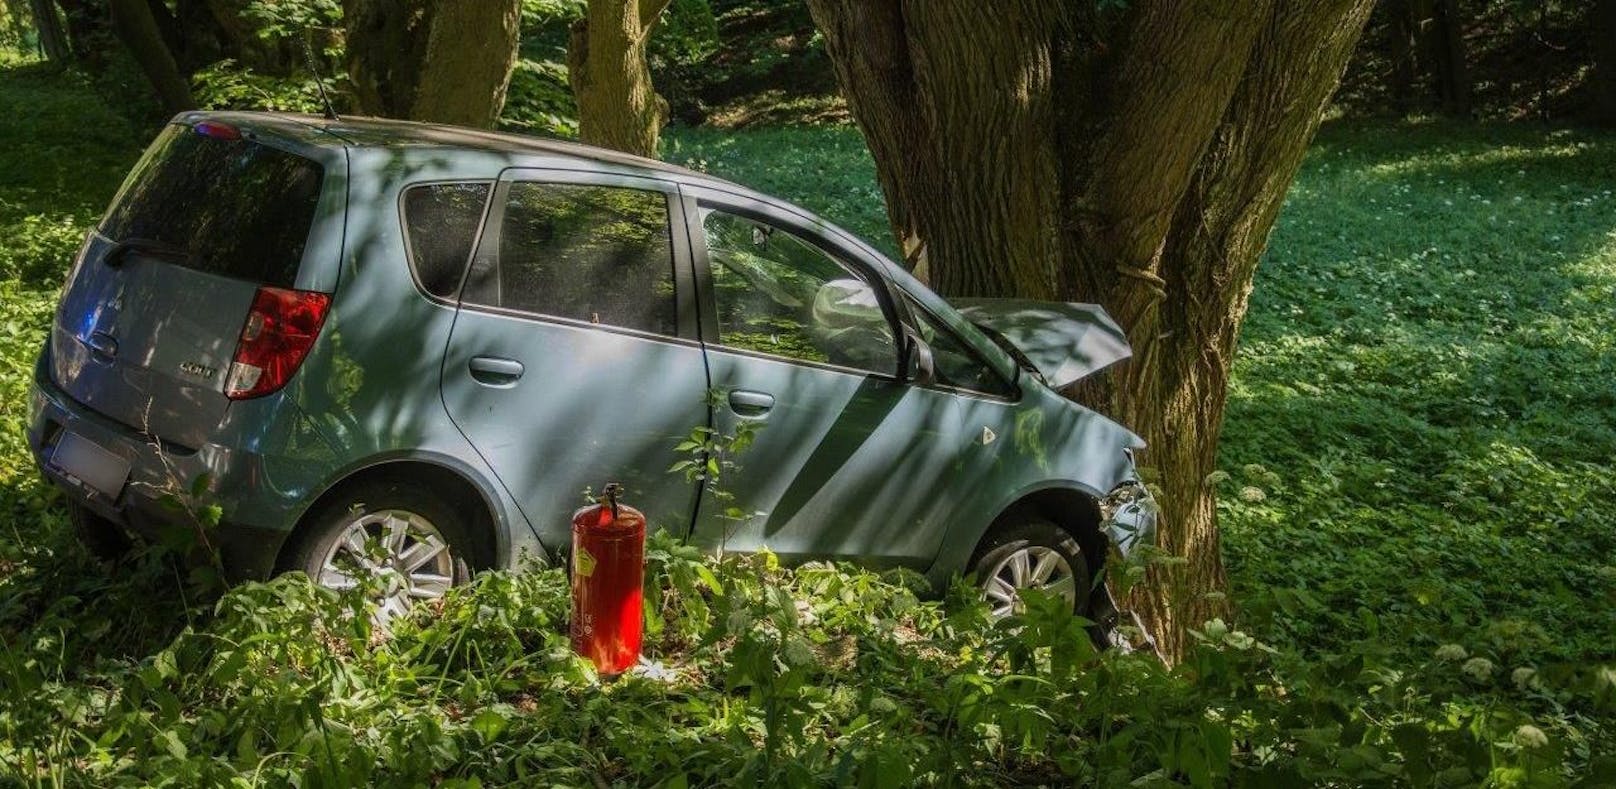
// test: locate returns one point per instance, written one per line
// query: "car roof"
(368, 132)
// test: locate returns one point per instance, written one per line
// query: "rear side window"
(598, 254)
(229, 207)
(440, 224)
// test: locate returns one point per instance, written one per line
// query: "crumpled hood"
(1066, 342)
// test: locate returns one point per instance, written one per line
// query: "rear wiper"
(145, 246)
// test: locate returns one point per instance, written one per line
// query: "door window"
(600, 254)
(779, 295)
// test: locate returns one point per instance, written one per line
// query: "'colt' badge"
(988, 435)
(199, 370)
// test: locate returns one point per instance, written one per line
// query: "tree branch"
(650, 13)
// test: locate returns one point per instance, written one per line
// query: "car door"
(847, 461)
(572, 362)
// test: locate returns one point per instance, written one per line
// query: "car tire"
(413, 550)
(1031, 553)
(102, 538)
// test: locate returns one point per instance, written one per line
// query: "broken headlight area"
(1128, 516)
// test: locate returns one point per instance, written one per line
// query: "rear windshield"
(229, 207)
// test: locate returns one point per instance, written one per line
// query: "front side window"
(779, 295)
(599, 254)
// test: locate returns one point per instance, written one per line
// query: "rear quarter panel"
(370, 387)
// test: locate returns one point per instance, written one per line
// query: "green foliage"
(278, 19)
(539, 100)
(226, 85)
(61, 168)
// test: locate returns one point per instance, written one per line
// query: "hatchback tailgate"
(151, 315)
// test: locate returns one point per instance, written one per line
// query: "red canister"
(608, 576)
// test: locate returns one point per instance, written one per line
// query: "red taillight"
(280, 329)
(217, 130)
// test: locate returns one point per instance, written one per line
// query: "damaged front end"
(1128, 518)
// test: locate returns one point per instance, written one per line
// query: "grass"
(1418, 506)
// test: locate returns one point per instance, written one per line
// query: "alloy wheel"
(1032, 567)
(398, 557)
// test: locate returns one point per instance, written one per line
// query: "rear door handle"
(748, 403)
(495, 370)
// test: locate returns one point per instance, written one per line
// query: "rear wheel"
(402, 545)
(1031, 554)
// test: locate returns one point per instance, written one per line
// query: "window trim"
(790, 223)
(453, 299)
(489, 234)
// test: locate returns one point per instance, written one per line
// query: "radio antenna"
(319, 79)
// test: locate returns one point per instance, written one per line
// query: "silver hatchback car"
(387, 349)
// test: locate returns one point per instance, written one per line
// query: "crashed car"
(390, 354)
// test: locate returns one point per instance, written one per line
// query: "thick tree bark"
(135, 26)
(447, 61)
(1136, 158)
(1176, 389)
(611, 80)
(49, 28)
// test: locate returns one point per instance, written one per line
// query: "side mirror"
(920, 367)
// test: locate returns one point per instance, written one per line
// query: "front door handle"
(748, 403)
(495, 370)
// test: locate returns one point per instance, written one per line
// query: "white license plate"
(94, 466)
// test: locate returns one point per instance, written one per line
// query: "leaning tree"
(1131, 154)
(610, 77)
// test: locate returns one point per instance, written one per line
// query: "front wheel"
(402, 545)
(1033, 554)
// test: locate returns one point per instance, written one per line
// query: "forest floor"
(1418, 451)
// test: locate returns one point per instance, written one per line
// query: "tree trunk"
(1134, 157)
(1175, 390)
(52, 41)
(1603, 81)
(446, 61)
(132, 20)
(611, 81)
(1441, 50)
(1452, 66)
(87, 31)
(1403, 47)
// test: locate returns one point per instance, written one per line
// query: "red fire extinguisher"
(608, 572)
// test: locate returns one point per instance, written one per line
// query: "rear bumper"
(166, 484)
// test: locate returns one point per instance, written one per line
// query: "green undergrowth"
(1417, 506)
